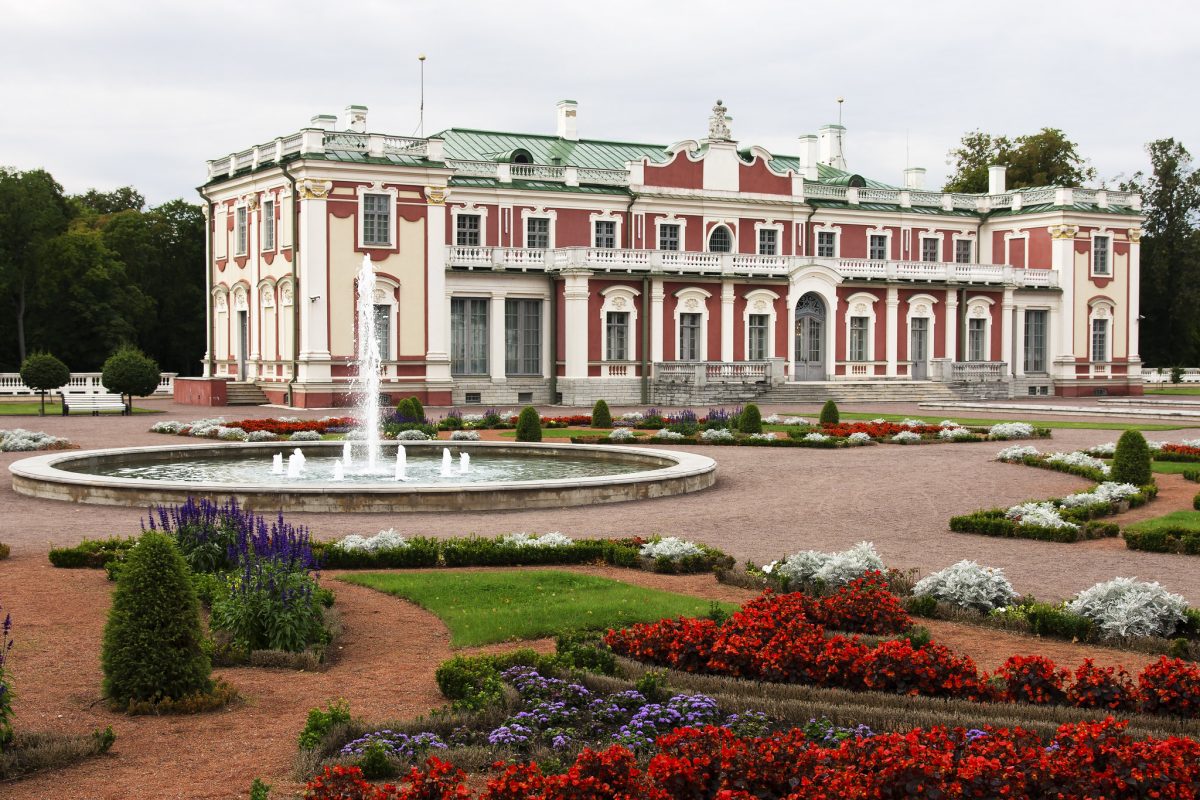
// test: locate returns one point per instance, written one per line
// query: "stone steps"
(858, 392)
(244, 393)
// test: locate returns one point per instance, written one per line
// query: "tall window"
(976, 345)
(689, 337)
(720, 240)
(1100, 265)
(383, 331)
(826, 244)
(858, 338)
(1035, 341)
(668, 237)
(929, 248)
(268, 225)
(616, 330)
(537, 232)
(1100, 340)
(768, 242)
(877, 247)
(240, 231)
(377, 219)
(758, 336)
(469, 335)
(962, 251)
(466, 230)
(523, 337)
(606, 233)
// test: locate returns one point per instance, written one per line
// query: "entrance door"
(243, 343)
(810, 339)
(918, 348)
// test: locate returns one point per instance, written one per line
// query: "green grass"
(1040, 423)
(22, 408)
(566, 433)
(1168, 467)
(1175, 390)
(1189, 520)
(486, 607)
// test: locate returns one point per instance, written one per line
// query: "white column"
(575, 297)
(437, 323)
(496, 365)
(1006, 333)
(727, 321)
(1019, 344)
(657, 296)
(891, 321)
(1062, 259)
(253, 303)
(1135, 287)
(208, 299)
(312, 296)
(952, 324)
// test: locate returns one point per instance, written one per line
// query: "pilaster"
(437, 322)
(657, 296)
(1132, 334)
(575, 301)
(1019, 345)
(1006, 329)
(951, 325)
(496, 360)
(312, 295)
(891, 322)
(727, 321)
(1062, 259)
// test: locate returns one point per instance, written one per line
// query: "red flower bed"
(1171, 686)
(1102, 687)
(280, 428)
(1181, 450)
(876, 430)
(1085, 760)
(1034, 679)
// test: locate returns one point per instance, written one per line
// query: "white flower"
(1107, 492)
(879, 420)
(949, 423)
(904, 437)
(1010, 430)
(553, 539)
(1078, 459)
(261, 436)
(1018, 452)
(384, 540)
(831, 568)
(297, 419)
(206, 428)
(1129, 607)
(912, 423)
(717, 435)
(464, 436)
(768, 568)
(305, 436)
(167, 426)
(775, 419)
(231, 434)
(954, 433)
(969, 585)
(19, 440)
(413, 435)
(1190, 443)
(815, 437)
(669, 435)
(1154, 445)
(1106, 450)
(670, 547)
(621, 435)
(763, 437)
(859, 437)
(632, 416)
(470, 419)
(1038, 515)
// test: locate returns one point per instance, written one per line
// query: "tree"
(45, 373)
(130, 372)
(601, 416)
(529, 425)
(1045, 158)
(1131, 460)
(125, 198)
(750, 420)
(829, 413)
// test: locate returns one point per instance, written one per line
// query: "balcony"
(666, 262)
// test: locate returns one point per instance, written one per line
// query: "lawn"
(1169, 467)
(1175, 390)
(30, 408)
(1189, 520)
(1063, 424)
(486, 607)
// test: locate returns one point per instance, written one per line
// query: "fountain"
(295, 464)
(346, 455)
(277, 464)
(447, 463)
(401, 463)
(464, 463)
(339, 471)
(366, 382)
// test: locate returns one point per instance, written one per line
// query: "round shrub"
(130, 371)
(601, 416)
(45, 373)
(1033, 679)
(152, 647)
(529, 425)
(750, 420)
(1131, 461)
(418, 410)
(969, 585)
(829, 413)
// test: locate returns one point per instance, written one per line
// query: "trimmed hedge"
(1165, 540)
(529, 425)
(92, 553)
(421, 552)
(993, 523)
(601, 416)
(1131, 460)
(829, 413)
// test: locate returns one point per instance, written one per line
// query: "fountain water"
(277, 464)
(339, 472)
(447, 463)
(401, 463)
(295, 464)
(464, 462)
(346, 455)
(367, 382)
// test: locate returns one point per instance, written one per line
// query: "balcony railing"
(701, 373)
(80, 383)
(978, 371)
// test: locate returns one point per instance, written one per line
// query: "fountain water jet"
(295, 464)
(339, 472)
(346, 455)
(447, 463)
(277, 464)
(401, 463)
(464, 463)
(367, 381)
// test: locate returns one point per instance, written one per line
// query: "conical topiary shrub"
(829, 413)
(152, 642)
(418, 410)
(1131, 460)
(750, 420)
(601, 416)
(529, 425)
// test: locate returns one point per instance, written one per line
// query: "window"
(240, 231)
(689, 337)
(720, 240)
(962, 251)
(537, 232)
(858, 338)
(466, 231)
(523, 337)
(668, 237)
(768, 242)
(606, 233)
(929, 248)
(377, 219)
(268, 225)
(1100, 340)
(976, 344)
(877, 247)
(469, 335)
(1100, 264)
(616, 326)
(826, 244)
(383, 331)
(1035, 341)
(758, 336)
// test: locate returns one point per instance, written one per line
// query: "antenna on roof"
(840, 100)
(841, 133)
(906, 148)
(421, 114)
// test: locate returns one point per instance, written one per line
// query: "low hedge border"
(91, 553)
(1165, 540)
(32, 752)
(828, 444)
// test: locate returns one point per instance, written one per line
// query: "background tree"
(125, 198)
(1045, 158)
(45, 373)
(130, 372)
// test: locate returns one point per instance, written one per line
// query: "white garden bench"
(94, 403)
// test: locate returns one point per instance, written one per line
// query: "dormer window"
(720, 240)
(1100, 256)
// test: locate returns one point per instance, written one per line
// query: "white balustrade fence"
(80, 383)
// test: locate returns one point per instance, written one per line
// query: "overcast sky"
(105, 94)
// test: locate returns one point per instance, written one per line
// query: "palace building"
(552, 268)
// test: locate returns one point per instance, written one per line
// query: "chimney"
(996, 179)
(356, 119)
(566, 120)
(914, 178)
(325, 122)
(832, 141)
(809, 153)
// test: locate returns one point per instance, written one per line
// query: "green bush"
(321, 721)
(529, 425)
(601, 416)
(91, 553)
(260, 790)
(472, 683)
(5, 551)
(1163, 540)
(829, 413)
(921, 605)
(270, 607)
(45, 373)
(376, 763)
(1131, 461)
(1176, 374)
(1196, 501)
(153, 641)
(420, 552)
(750, 420)
(993, 523)
(1047, 620)
(131, 372)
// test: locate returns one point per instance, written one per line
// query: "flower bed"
(19, 440)
(279, 426)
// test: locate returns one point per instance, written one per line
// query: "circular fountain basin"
(501, 476)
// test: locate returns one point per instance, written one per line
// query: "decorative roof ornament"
(718, 123)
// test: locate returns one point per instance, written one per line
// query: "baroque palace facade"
(520, 268)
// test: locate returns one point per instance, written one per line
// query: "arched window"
(720, 240)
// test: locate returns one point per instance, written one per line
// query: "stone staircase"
(858, 392)
(244, 393)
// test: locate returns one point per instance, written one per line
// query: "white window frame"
(241, 229)
(671, 220)
(753, 299)
(886, 233)
(1101, 233)
(377, 188)
(621, 299)
(1045, 370)
(861, 304)
(759, 227)
(541, 337)
(915, 303)
(684, 305)
(979, 307)
(971, 242)
(386, 291)
(539, 213)
(470, 209)
(268, 203)
(607, 216)
(938, 240)
(837, 240)
(730, 228)
(1008, 237)
(1101, 309)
